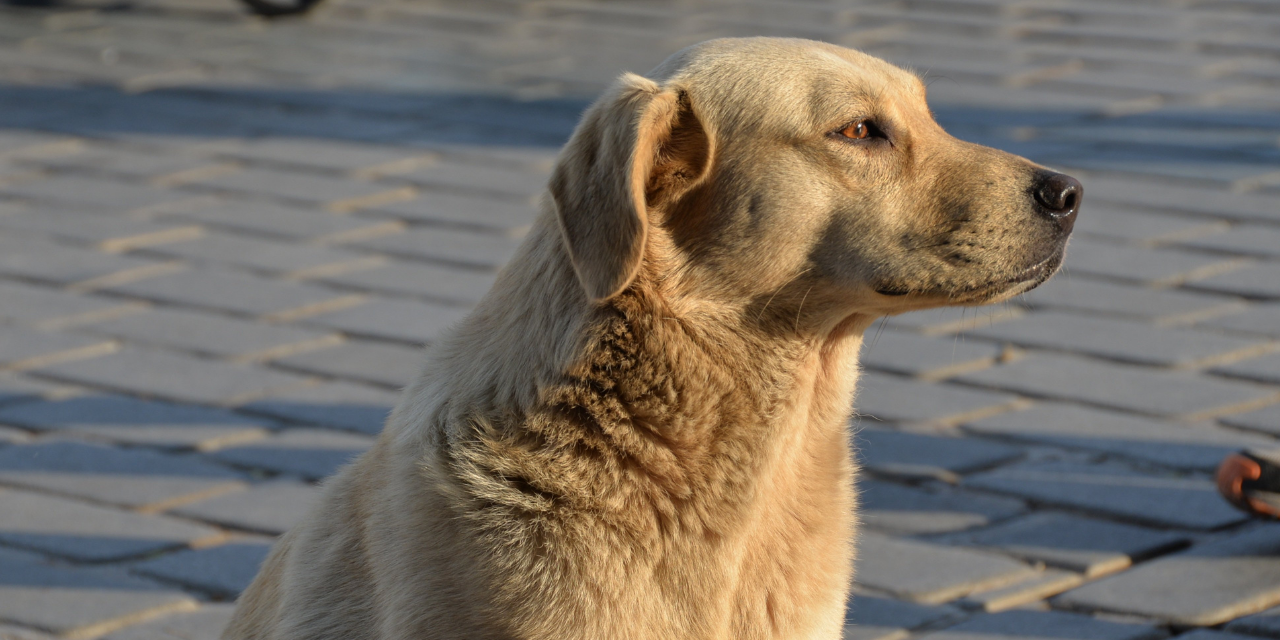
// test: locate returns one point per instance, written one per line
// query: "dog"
(642, 430)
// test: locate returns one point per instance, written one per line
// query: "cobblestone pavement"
(223, 241)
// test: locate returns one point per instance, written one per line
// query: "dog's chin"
(993, 291)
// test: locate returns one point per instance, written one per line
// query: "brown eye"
(856, 131)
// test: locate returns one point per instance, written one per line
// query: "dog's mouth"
(986, 292)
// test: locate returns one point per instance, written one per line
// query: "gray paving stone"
(900, 510)
(389, 365)
(283, 222)
(63, 265)
(1122, 340)
(16, 389)
(289, 186)
(1209, 584)
(206, 623)
(1083, 545)
(94, 193)
(1265, 420)
(268, 256)
(924, 357)
(1046, 583)
(892, 399)
(209, 334)
(310, 453)
(1156, 305)
(108, 233)
(22, 348)
(1266, 624)
(1260, 281)
(1210, 634)
(129, 477)
(132, 421)
(1130, 224)
(26, 304)
(1124, 387)
(1114, 490)
(1261, 369)
(928, 573)
(89, 533)
(447, 246)
(917, 455)
(224, 570)
(271, 507)
(1250, 240)
(328, 155)
(1057, 625)
(81, 602)
(871, 617)
(478, 178)
(401, 320)
(340, 405)
(234, 292)
(436, 283)
(947, 321)
(171, 376)
(10, 632)
(1174, 444)
(1257, 319)
(480, 213)
(1141, 265)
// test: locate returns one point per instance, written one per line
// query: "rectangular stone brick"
(1046, 583)
(1164, 442)
(1130, 224)
(891, 399)
(108, 233)
(340, 405)
(917, 455)
(15, 389)
(1155, 305)
(22, 348)
(205, 623)
(223, 570)
(210, 334)
(234, 292)
(136, 422)
(946, 321)
(1258, 281)
(89, 533)
(1261, 369)
(27, 304)
(872, 617)
(1265, 420)
(1246, 240)
(435, 283)
(62, 265)
(465, 211)
(1128, 388)
(478, 179)
(1256, 319)
(79, 602)
(279, 221)
(928, 573)
(485, 251)
(1083, 545)
(1211, 583)
(170, 376)
(924, 357)
(328, 155)
(271, 507)
(94, 193)
(134, 478)
(390, 365)
(288, 186)
(266, 256)
(1121, 340)
(1142, 265)
(1114, 490)
(401, 320)
(310, 453)
(901, 510)
(1044, 624)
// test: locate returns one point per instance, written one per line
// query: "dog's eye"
(856, 130)
(859, 130)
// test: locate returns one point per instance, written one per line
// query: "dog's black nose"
(1059, 195)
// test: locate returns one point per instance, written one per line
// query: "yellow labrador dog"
(642, 432)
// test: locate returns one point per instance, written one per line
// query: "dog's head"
(789, 176)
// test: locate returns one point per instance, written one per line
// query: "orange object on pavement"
(1250, 480)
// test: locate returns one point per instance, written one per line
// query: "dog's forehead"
(789, 81)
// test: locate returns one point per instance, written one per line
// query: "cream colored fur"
(642, 431)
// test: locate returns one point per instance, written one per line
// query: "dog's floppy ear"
(601, 180)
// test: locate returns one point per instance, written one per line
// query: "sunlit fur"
(641, 432)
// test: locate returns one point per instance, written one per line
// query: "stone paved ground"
(223, 240)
